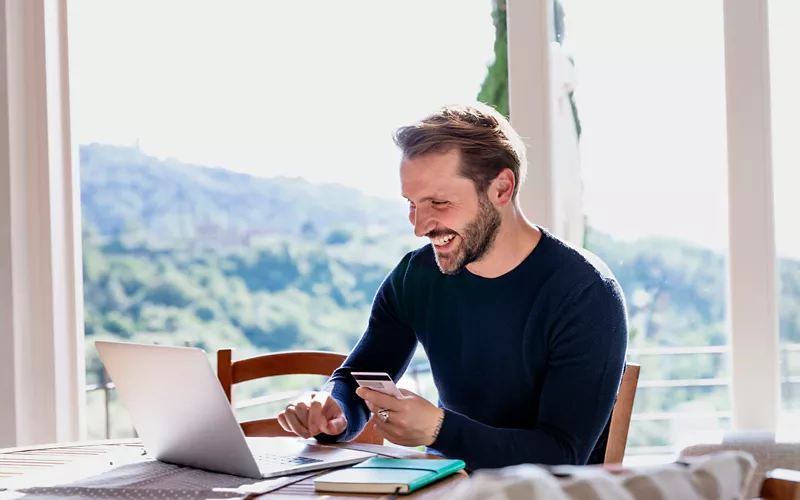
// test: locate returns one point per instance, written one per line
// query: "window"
(785, 79)
(239, 181)
(650, 97)
(753, 355)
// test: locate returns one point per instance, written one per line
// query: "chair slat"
(621, 415)
(322, 363)
(286, 363)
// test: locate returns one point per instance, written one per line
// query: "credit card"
(377, 381)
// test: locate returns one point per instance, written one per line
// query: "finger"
(295, 425)
(381, 430)
(319, 396)
(336, 425)
(406, 392)
(387, 431)
(307, 398)
(330, 407)
(283, 423)
(316, 420)
(301, 410)
(379, 399)
(372, 407)
(394, 425)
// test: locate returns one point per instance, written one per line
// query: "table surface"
(26, 462)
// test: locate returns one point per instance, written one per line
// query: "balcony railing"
(418, 375)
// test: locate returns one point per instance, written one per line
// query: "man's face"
(445, 207)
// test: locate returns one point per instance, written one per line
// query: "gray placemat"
(150, 479)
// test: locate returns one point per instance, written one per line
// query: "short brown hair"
(485, 139)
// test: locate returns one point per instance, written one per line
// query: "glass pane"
(239, 181)
(784, 16)
(650, 97)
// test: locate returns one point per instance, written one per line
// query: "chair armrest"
(781, 484)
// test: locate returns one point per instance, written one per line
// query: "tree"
(170, 294)
(339, 236)
(494, 90)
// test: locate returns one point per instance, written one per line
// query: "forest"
(177, 253)
(195, 255)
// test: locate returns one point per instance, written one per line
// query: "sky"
(316, 89)
(273, 87)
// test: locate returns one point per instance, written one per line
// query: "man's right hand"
(318, 413)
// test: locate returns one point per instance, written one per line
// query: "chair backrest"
(621, 415)
(232, 372)
(780, 484)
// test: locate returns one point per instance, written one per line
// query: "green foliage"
(118, 324)
(169, 294)
(289, 291)
(339, 236)
(125, 192)
(494, 90)
(671, 287)
(205, 314)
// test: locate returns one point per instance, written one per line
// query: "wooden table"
(25, 463)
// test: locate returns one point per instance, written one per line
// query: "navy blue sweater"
(527, 365)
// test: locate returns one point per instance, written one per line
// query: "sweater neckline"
(522, 267)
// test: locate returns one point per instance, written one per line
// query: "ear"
(501, 191)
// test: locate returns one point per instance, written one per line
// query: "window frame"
(44, 346)
(753, 315)
(752, 290)
(43, 382)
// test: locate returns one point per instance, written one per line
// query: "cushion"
(724, 475)
(766, 448)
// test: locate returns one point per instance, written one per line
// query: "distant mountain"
(123, 187)
(675, 290)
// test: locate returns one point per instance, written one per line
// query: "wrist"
(438, 427)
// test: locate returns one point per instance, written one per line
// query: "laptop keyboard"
(267, 460)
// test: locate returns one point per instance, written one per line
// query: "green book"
(387, 475)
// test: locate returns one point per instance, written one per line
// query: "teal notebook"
(387, 475)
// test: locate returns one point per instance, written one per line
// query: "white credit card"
(377, 381)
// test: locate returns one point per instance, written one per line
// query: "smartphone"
(377, 381)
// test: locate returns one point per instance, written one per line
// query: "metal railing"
(418, 370)
(106, 386)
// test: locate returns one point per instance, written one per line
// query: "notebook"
(387, 475)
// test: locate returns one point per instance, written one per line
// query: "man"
(526, 338)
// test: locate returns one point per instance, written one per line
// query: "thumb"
(336, 425)
(407, 393)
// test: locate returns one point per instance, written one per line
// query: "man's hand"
(413, 420)
(317, 413)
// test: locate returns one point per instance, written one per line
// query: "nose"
(423, 224)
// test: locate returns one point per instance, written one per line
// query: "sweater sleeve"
(588, 340)
(387, 345)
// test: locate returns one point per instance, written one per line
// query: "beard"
(475, 240)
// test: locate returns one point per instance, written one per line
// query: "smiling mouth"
(443, 242)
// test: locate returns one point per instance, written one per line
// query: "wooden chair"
(232, 372)
(780, 484)
(621, 415)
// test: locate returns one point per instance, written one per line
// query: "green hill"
(123, 189)
(177, 253)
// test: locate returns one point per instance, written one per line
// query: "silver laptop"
(182, 416)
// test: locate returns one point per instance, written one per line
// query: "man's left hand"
(413, 420)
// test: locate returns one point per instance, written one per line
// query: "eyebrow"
(427, 198)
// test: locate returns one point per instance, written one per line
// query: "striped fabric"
(719, 476)
(769, 451)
